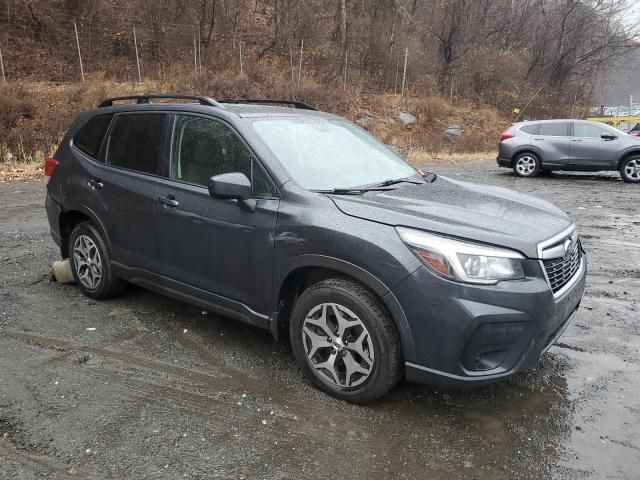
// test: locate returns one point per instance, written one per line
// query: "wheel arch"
(627, 154)
(305, 270)
(69, 218)
(527, 149)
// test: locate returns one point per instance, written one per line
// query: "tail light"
(506, 136)
(50, 165)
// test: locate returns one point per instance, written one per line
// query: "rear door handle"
(169, 201)
(538, 138)
(95, 183)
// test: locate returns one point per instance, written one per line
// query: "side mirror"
(608, 136)
(234, 185)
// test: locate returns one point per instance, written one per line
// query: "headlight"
(463, 261)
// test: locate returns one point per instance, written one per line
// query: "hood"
(481, 213)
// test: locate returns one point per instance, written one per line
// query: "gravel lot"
(145, 387)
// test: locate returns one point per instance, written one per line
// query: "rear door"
(213, 245)
(553, 140)
(590, 150)
(134, 155)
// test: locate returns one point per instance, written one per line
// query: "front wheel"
(526, 165)
(345, 341)
(630, 169)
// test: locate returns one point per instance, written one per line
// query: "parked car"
(635, 131)
(531, 148)
(301, 223)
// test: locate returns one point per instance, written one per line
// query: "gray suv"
(531, 148)
(300, 223)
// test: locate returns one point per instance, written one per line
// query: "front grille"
(561, 270)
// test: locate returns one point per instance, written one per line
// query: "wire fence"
(73, 48)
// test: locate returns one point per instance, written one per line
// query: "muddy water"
(161, 390)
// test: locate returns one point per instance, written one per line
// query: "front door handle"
(95, 183)
(576, 140)
(169, 201)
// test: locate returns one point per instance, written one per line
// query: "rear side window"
(137, 142)
(559, 129)
(89, 138)
(530, 129)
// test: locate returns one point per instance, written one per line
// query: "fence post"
(75, 27)
(404, 72)
(195, 57)
(293, 78)
(135, 43)
(300, 64)
(199, 50)
(346, 60)
(241, 66)
(4, 79)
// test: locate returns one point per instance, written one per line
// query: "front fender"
(362, 276)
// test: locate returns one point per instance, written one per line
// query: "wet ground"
(146, 387)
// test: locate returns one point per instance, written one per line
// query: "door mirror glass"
(233, 185)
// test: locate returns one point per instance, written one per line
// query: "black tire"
(108, 285)
(527, 165)
(386, 368)
(626, 165)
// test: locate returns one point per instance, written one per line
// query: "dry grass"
(423, 156)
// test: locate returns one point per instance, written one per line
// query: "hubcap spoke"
(330, 366)
(317, 341)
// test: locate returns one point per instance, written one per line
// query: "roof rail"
(146, 99)
(289, 103)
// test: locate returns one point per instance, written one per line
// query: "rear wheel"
(630, 169)
(345, 341)
(91, 264)
(526, 165)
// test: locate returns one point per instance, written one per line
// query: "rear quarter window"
(89, 138)
(530, 129)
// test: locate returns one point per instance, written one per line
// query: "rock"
(453, 131)
(366, 121)
(407, 119)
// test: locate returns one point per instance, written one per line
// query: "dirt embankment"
(34, 115)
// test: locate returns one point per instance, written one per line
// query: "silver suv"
(531, 148)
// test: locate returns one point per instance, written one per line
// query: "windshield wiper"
(388, 183)
(352, 191)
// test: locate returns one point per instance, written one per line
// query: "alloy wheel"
(88, 263)
(526, 165)
(632, 169)
(338, 345)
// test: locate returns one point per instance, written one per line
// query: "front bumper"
(470, 335)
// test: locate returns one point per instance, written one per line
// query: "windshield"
(328, 153)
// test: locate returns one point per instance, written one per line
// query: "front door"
(217, 246)
(590, 150)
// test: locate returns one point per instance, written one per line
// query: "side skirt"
(191, 295)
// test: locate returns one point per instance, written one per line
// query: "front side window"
(329, 153)
(555, 129)
(89, 138)
(587, 130)
(203, 148)
(137, 141)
